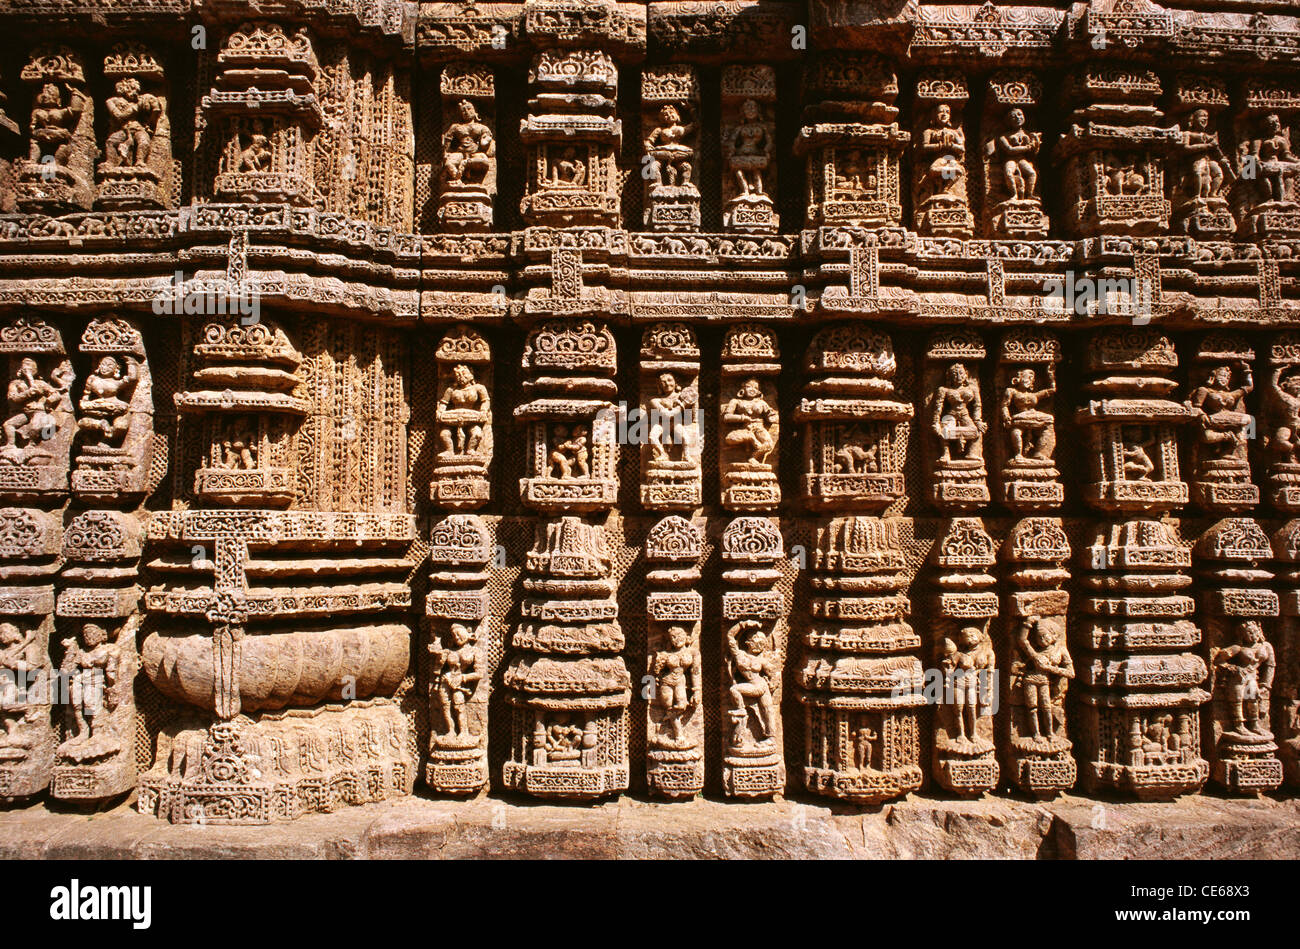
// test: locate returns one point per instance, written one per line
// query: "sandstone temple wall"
(578, 397)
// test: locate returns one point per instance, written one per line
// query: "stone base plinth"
(920, 827)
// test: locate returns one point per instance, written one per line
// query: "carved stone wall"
(578, 398)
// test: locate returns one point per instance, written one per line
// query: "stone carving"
(468, 179)
(749, 149)
(1012, 156)
(39, 424)
(136, 171)
(1235, 605)
(1130, 424)
(861, 680)
(1206, 174)
(1026, 443)
(115, 413)
(674, 665)
(1266, 198)
(572, 135)
(856, 429)
(457, 607)
(964, 758)
(955, 424)
(940, 195)
(749, 423)
(29, 548)
(1285, 696)
(670, 403)
(1038, 663)
(264, 106)
(463, 420)
(670, 103)
(1114, 152)
(753, 764)
(1281, 421)
(1222, 427)
(58, 174)
(852, 142)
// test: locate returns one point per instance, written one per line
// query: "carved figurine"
(133, 118)
(1032, 431)
(455, 676)
(957, 418)
(469, 150)
(753, 670)
(1040, 674)
(1247, 668)
(678, 672)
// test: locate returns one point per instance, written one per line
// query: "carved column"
(572, 135)
(59, 174)
(860, 678)
(1221, 427)
(136, 170)
(1204, 174)
(568, 685)
(1237, 607)
(674, 667)
(964, 756)
(1036, 659)
(852, 142)
(460, 550)
(753, 762)
(1025, 449)
(749, 159)
(673, 445)
(670, 165)
(467, 181)
(1141, 682)
(34, 460)
(954, 424)
(280, 614)
(1286, 707)
(1114, 152)
(1281, 422)
(1012, 154)
(940, 169)
(749, 423)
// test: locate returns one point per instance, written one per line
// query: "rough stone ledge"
(1069, 827)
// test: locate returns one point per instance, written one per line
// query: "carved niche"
(940, 170)
(59, 174)
(1012, 155)
(467, 182)
(457, 609)
(1281, 422)
(136, 170)
(675, 707)
(1238, 609)
(965, 761)
(749, 422)
(855, 426)
(1267, 195)
(463, 420)
(39, 427)
(670, 406)
(1039, 668)
(753, 761)
(30, 542)
(1204, 172)
(670, 114)
(955, 424)
(1025, 449)
(1221, 427)
(852, 142)
(1286, 706)
(115, 414)
(749, 149)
